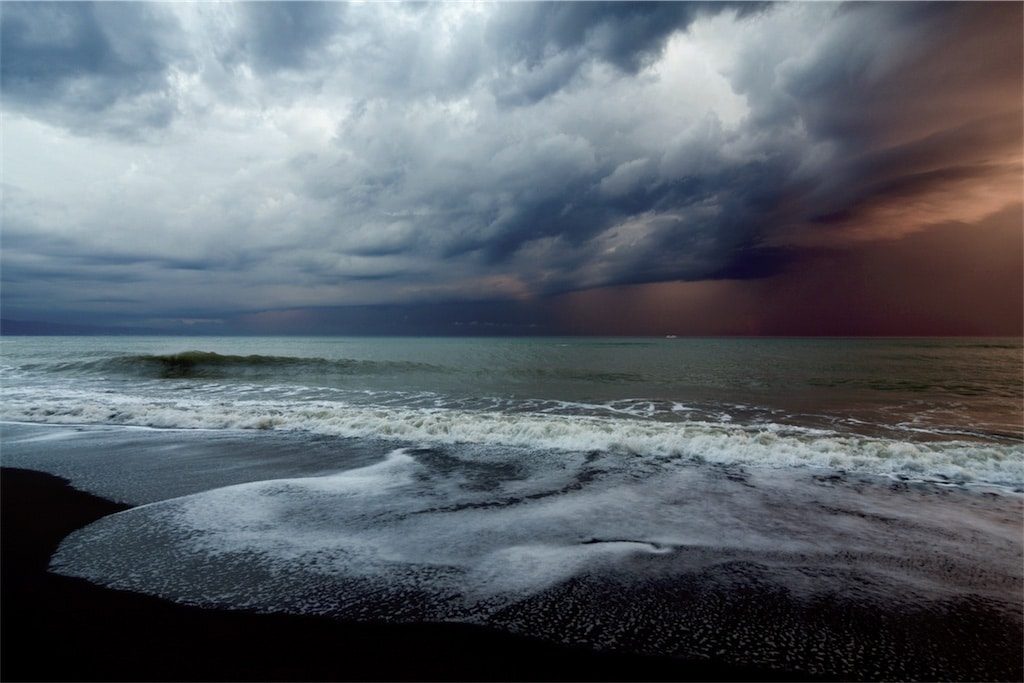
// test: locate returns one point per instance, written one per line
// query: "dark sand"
(60, 628)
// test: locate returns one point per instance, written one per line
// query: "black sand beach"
(60, 628)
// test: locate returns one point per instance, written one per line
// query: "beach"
(912, 626)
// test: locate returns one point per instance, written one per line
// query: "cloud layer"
(210, 160)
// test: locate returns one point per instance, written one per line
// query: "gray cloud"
(285, 35)
(627, 34)
(88, 66)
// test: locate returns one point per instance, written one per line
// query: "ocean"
(761, 501)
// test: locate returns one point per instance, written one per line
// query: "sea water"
(726, 498)
(925, 408)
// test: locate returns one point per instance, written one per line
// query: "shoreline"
(96, 633)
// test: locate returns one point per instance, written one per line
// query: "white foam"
(762, 445)
(405, 538)
(577, 548)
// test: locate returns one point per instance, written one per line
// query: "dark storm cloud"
(911, 98)
(702, 224)
(75, 62)
(904, 295)
(313, 153)
(826, 142)
(893, 68)
(553, 41)
(910, 102)
(626, 34)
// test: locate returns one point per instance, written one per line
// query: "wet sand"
(61, 628)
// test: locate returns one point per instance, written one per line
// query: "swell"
(208, 364)
(212, 365)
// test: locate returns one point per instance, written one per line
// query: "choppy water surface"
(847, 507)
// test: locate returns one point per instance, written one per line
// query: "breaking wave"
(759, 445)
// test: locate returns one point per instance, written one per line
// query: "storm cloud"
(180, 161)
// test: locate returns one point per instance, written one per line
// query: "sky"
(514, 168)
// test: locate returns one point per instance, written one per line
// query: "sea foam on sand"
(544, 545)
